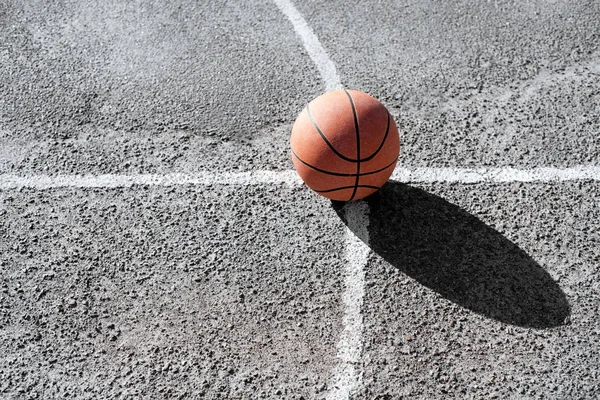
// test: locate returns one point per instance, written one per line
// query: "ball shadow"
(458, 256)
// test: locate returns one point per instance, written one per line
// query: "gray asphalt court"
(238, 289)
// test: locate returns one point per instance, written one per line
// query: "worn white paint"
(42, 182)
(259, 177)
(347, 375)
(312, 45)
(496, 175)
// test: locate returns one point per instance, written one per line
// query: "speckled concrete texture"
(486, 290)
(490, 83)
(168, 292)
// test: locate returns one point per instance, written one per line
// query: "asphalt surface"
(137, 87)
(491, 83)
(463, 302)
(472, 290)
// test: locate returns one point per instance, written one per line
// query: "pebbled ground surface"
(473, 291)
(142, 86)
(470, 304)
(493, 83)
(168, 292)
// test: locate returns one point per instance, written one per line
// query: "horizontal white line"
(499, 175)
(114, 181)
(289, 177)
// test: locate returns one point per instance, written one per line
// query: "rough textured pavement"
(491, 83)
(470, 304)
(166, 292)
(472, 291)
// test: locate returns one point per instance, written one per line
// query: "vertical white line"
(347, 376)
(312, 45)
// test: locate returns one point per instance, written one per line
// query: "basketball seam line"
(356, 128)
(340, 173)
(324, 138)
(337, 153)
(346, 187)
(387, 131)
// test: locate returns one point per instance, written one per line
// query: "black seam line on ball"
(337, 153)
(357, 144)
(340, 173)
(346, 187)
(387, 131)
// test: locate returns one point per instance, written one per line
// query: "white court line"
(497, 175)
(42, 182)
(289, 177)
(312, 45)
(347, 377)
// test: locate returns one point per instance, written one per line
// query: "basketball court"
(155, 241)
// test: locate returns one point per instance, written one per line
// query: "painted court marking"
(497, 175)
(348, 377)
(260, 177)
(312, 45)
(42, 182)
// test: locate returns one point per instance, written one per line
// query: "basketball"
(345, 145)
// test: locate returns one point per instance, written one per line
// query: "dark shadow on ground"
(458, 256)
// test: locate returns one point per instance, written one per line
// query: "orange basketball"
(345, 145)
